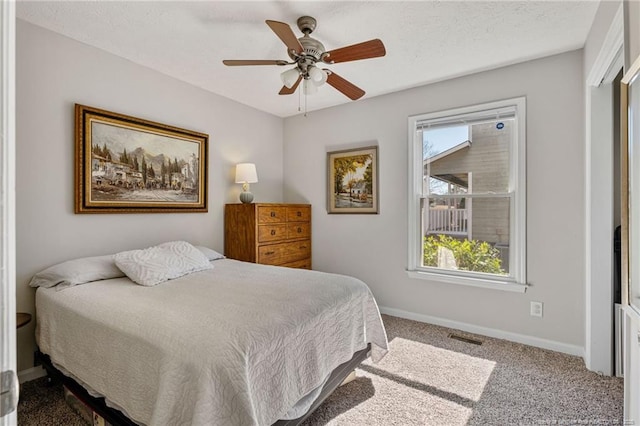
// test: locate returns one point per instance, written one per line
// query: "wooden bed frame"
(117, 418)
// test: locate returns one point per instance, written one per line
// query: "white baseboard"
(31, 374)
(486, 331)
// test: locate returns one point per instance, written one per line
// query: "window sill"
(471, 282)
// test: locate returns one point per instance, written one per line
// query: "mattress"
(240, 344)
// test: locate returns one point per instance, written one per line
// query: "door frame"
(599, 319)
(7, 196)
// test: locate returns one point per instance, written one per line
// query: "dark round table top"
(22, 318)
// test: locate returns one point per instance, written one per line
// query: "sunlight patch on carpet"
(450, 372)
(417, 407)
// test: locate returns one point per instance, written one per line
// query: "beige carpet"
(430, 379)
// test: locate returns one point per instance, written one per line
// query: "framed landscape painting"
(353, 180)
(130, 165)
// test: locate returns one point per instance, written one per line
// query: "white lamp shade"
(309, 87)
(318, 76)
(246, 173)
(289, 77)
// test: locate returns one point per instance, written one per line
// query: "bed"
(235, 343)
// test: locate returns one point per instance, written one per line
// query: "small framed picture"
(352, 185)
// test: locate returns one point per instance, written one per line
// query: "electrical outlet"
(536, 309)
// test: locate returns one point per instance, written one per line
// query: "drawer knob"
(299, 230)
(273, 214)
(269, 253)
(299, 214)
(303, 247)
(273, 232)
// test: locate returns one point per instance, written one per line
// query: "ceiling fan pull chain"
(305, 104)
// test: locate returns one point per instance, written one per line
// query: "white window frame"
(516, 281)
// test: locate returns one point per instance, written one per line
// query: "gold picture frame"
(126, 164)
(352, 181)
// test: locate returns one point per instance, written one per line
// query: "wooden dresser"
(271, 234)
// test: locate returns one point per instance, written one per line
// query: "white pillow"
(77, 271)
(161, 263)
(210, 253)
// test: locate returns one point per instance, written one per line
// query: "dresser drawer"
(300, 264)
(299, 214)
(275, 232)
(298, 230)
(272, 214)
(278, 254)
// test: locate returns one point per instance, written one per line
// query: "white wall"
(374, 247)
(53, 73)
(632, 31)
(601, 24)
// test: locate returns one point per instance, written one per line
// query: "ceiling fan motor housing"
(313, 50)
(312, 47)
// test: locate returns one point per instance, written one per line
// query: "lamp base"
(246, 197)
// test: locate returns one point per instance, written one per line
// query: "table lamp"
(246, 174)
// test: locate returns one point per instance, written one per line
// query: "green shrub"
(470, 255)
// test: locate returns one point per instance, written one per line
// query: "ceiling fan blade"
(286, 34)
(238, 62)
(286, 91)
(365, 50)
(348, 89)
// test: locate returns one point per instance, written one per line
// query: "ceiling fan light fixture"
(289, 77)
(318, 76)
(309, 87)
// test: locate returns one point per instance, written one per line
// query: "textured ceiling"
(426, 41)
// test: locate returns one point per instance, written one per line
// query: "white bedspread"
(239, 344)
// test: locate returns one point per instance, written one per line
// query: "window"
(467, 195)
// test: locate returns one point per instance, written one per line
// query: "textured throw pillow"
(77, 271)
(210, 253)
(161, 263)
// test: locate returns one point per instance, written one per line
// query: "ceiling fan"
(307, 54)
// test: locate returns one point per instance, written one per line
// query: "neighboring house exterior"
(478, 165)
